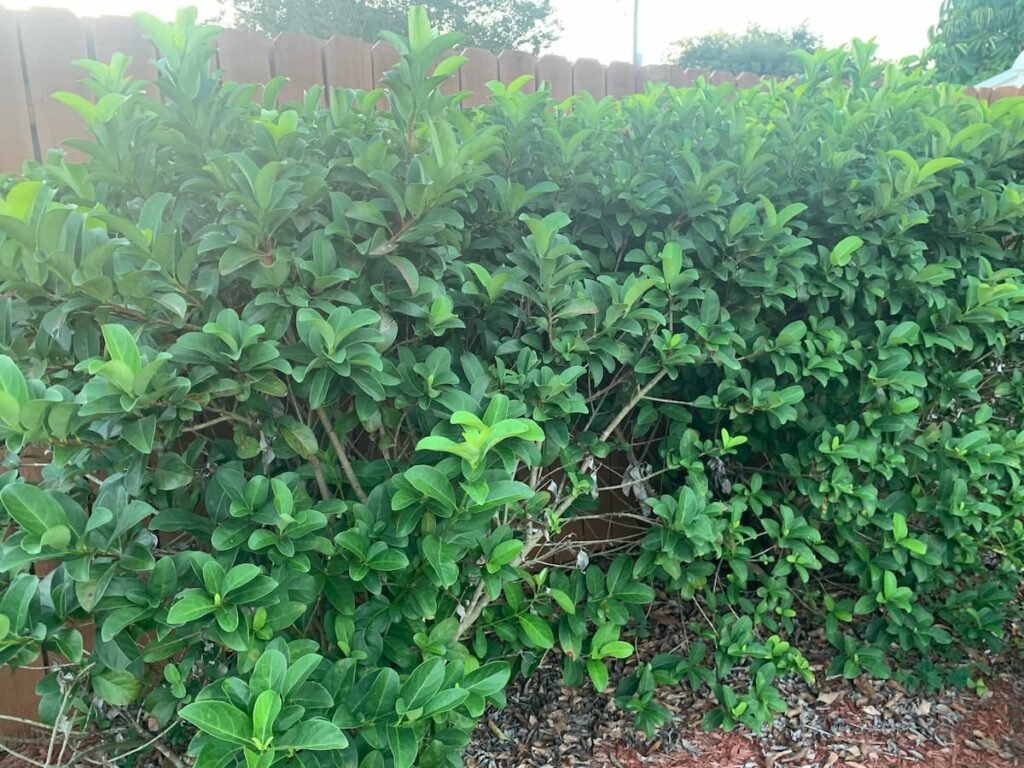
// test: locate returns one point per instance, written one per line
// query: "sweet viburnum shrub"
(324, 402)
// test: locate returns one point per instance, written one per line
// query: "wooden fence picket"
(300, 59)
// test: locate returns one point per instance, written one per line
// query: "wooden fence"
(37, 48)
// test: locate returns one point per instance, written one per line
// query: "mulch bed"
(842, 724)
(835, 722)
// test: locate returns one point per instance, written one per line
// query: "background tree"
(975, 39)
(492, 24)
(758, 50)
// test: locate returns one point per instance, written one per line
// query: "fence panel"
(120, 34)
(16, 143)
(300, 59)
(652, 73)
(480, 69)
(513, 64)
(244, 55)
(383, 57)
(621, 79)
(557, 71)
(589, 75)
(347, 64)
(51, 39)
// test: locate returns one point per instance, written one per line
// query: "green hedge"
(326, 397)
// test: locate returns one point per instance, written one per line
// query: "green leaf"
(404, 745)
(389, 560)
(503, 554)
(116, 687)
(269, 671)
(171, 472)
(315, 734)
(445, 701)
(221, 720)
(563, 600)
(120, 619)
(440, 561)
(489, 679)
(420, 33)
(299, 437)
(433, 484)
(936, 165)
(842, 254)
(32, 508)
(598, 674)
(16, 600)
(190, 607)
(899, 527)
(238, 577)
(617, 649)
(264, 714)
(12, 380)
(140, 434)
(121, 347)
(57, 537)
(916, 546)
(422, 683)
(537, 631)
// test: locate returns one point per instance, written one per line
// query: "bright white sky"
(602, 29)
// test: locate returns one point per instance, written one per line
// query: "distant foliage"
(975, 39)
(493, 24)
(316, 413)
(758, 50)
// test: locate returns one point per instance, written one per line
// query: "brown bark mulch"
(859, 724)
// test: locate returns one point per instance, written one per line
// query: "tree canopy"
(975, 39)
(759, 50)
(493, 24)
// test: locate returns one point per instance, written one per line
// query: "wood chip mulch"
(835, 722)
(547, 726)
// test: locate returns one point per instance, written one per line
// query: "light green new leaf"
(842, 254)
(121, 347)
